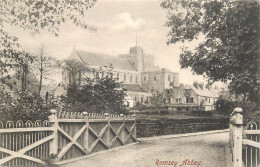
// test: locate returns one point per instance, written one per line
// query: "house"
(136, 70)
(179, 98)
(190, 97)
(201, 95)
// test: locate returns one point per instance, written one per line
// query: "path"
(208, 150)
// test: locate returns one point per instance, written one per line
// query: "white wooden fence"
(65, 136)
(244, 141)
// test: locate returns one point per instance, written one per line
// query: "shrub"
(163, 112)
(27, 106)
(202, 113)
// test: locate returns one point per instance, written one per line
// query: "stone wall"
(158, 127)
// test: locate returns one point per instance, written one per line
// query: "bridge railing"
(244, 141)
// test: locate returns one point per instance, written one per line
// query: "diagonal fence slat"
(24, 144)
(64, 137)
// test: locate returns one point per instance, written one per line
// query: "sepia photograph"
(129, 83)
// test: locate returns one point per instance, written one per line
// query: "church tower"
(138, 52)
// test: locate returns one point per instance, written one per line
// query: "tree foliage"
(99, 92)
(26, 106)
(32, 15)
(230, 50)
(35, 15)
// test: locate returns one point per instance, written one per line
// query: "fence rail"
(244, 141)
(65, 136)
(24, 144)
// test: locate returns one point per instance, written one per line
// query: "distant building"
(136, 70)
(190, 97)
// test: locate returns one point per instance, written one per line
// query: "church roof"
(101, 60)
(133, 88)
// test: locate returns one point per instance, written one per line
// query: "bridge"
(197, 149)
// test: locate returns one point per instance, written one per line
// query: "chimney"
(207, 86)
(195, 84)
(201, 85)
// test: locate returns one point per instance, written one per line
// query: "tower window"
(131, 78)
(169, 78)
(144, 78)
(155, 78)
(125, 77)
(117, 77)
(136, 79)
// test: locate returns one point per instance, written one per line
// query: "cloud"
(126, 21)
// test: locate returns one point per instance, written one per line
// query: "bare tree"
(74, 68)
(157, 99)
(44, 66)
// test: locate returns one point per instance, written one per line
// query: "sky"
(120, 23)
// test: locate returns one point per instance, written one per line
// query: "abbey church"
(136, 70)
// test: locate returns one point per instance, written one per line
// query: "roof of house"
(133, 88)
(181, 105)
(202, 92)
(215, 92)
(101, 60)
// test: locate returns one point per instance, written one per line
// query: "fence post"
(86, 131)
(236, 119)
(134, 131)
(54, 123)
(123, 134)
(108, 130)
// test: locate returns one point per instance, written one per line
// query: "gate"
(244, 141)
(65, 137)
(24, 144)
(80, 134)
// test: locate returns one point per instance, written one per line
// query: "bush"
(225, 106)
(139, 106)
(27, 106)
(163, 112)
(202, 113)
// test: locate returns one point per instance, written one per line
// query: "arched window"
(131, 78)
(144, 78)
(155, 78)
(124, 77)
(136, 79)
(79, 78)
(169, 78)
(117, 76)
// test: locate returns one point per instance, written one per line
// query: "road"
(204, 150)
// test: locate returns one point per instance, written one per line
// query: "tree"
(230, 50)
(32, 15)
(35, 15)
(74, 68)
(98, 93)
(157, 99)
(43, 66)
(225, 106)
